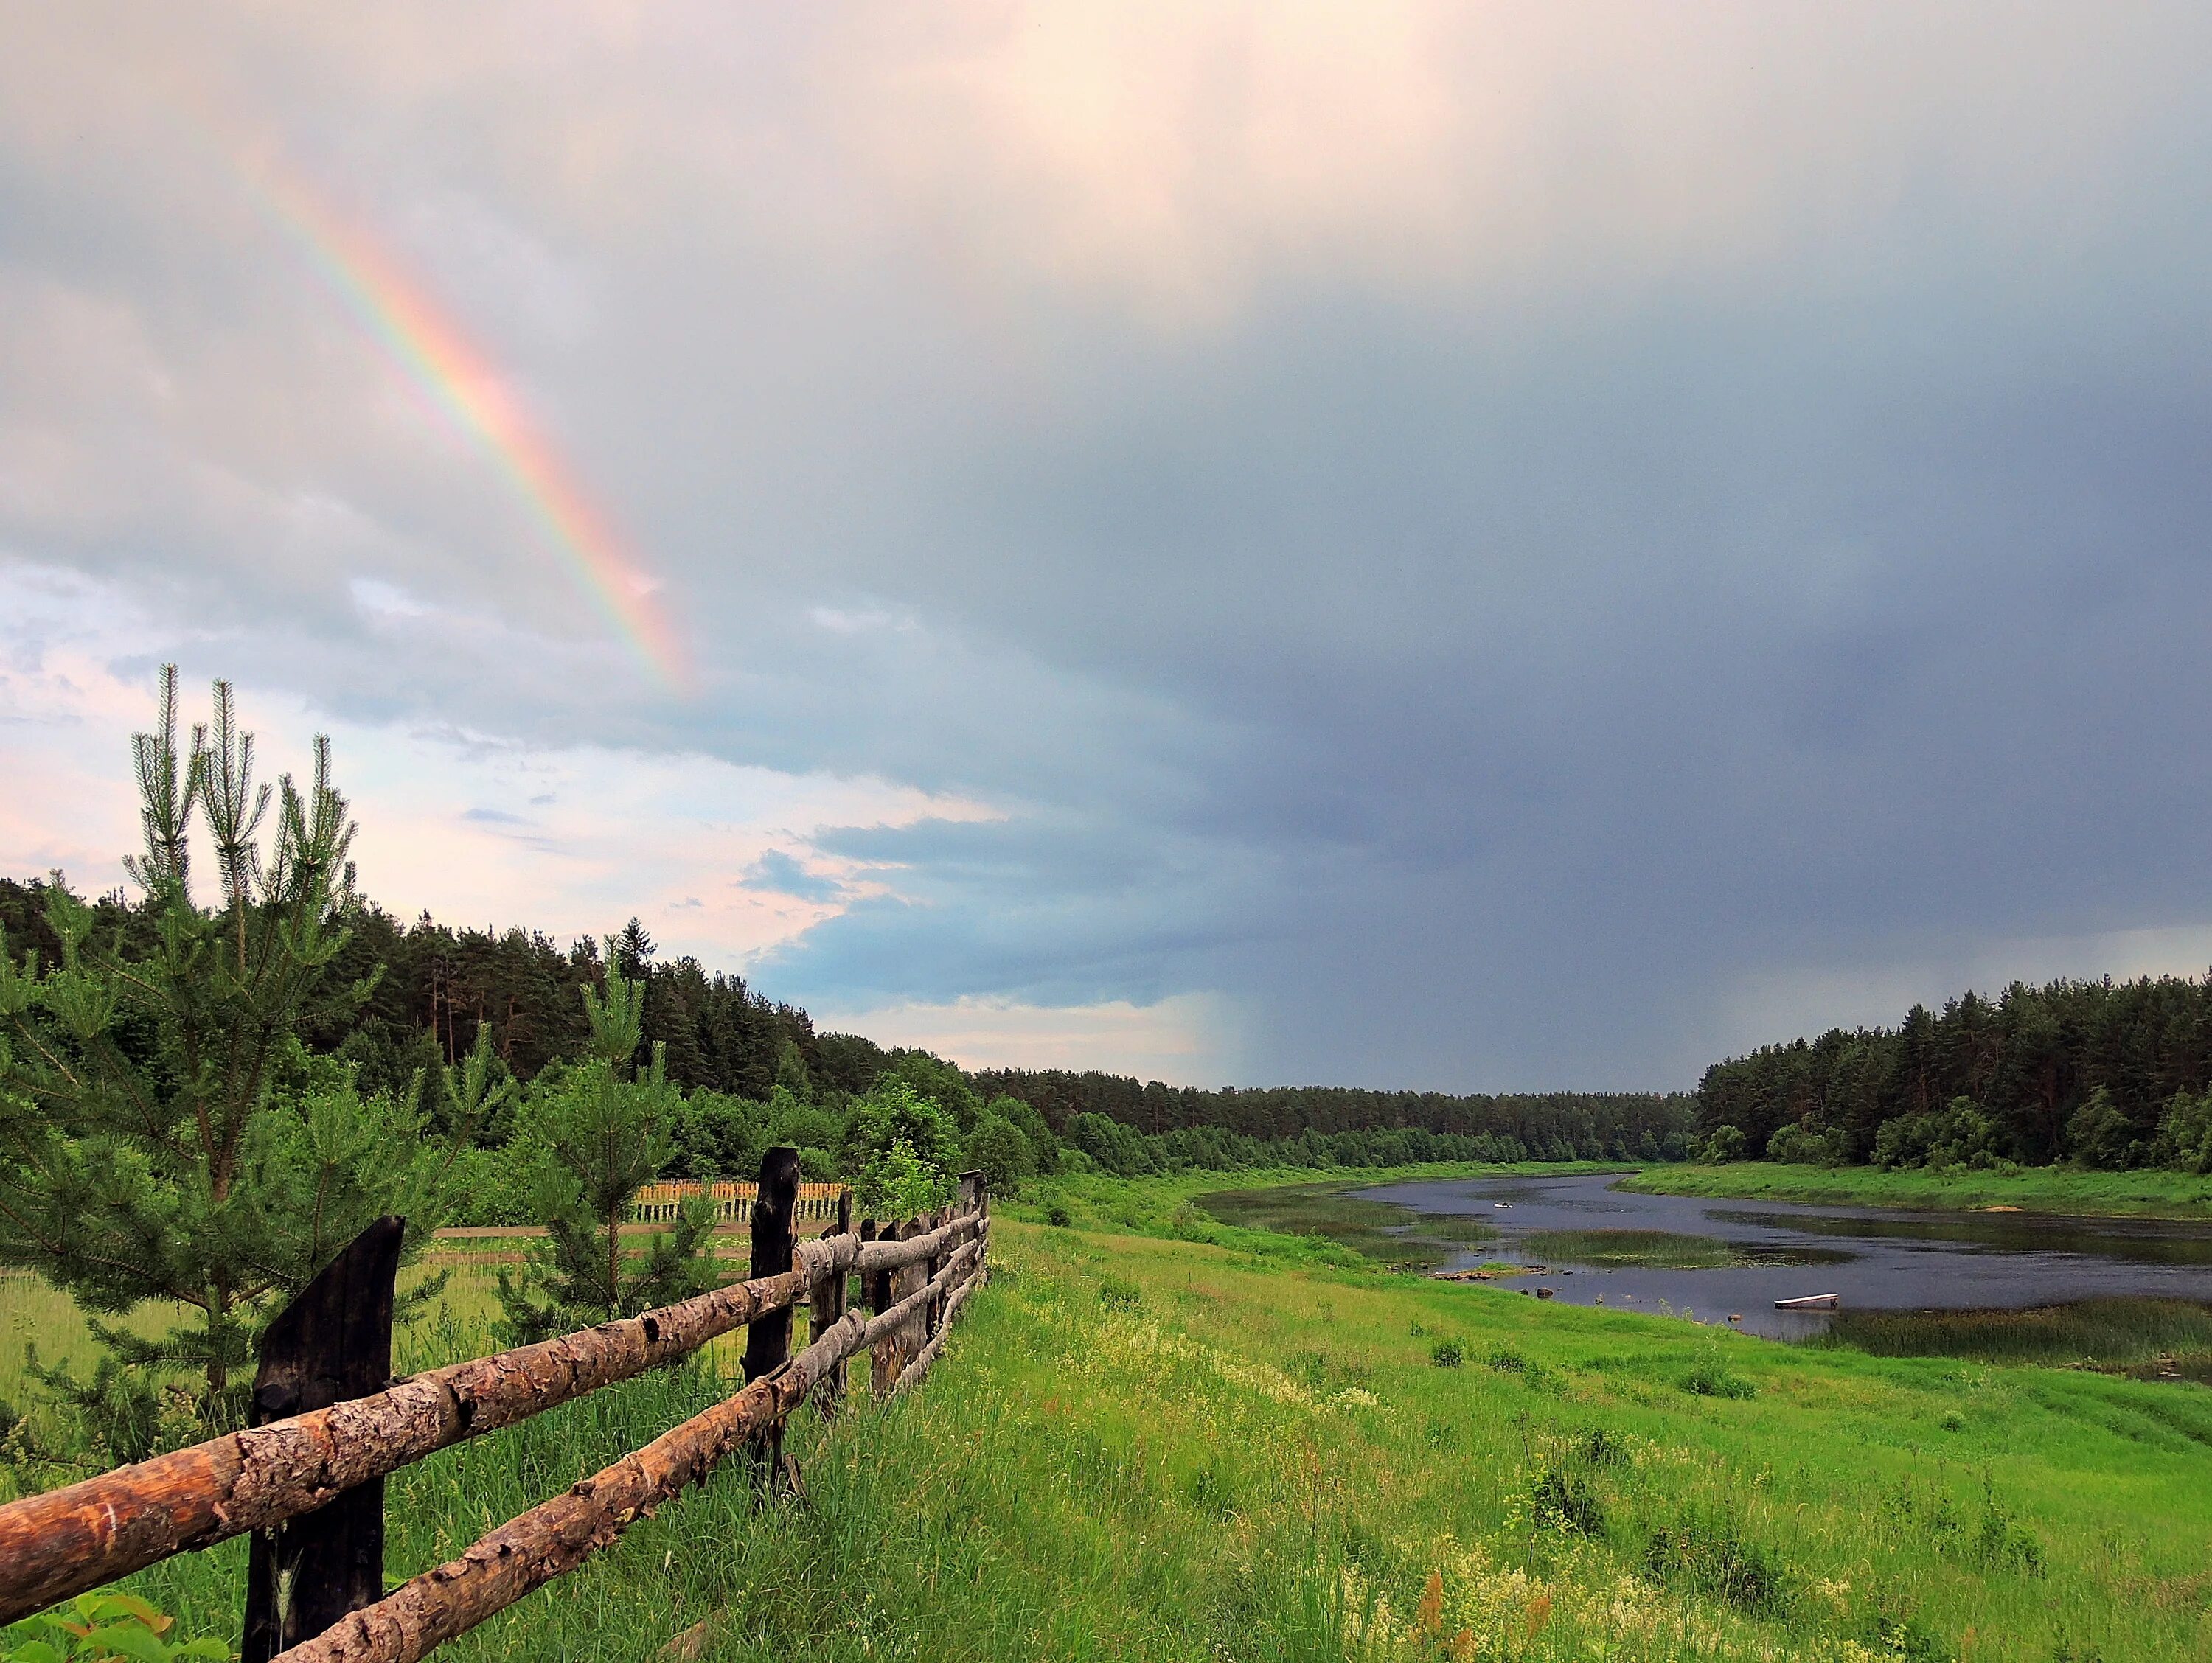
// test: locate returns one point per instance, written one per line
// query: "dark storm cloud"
(1477, 586)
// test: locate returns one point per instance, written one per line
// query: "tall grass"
(1141, 1446)
(2153, 1193)
(2090, 1333)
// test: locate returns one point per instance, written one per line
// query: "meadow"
(1159, 1435)
(2151, 1192)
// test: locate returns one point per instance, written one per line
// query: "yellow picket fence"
(734, 1200)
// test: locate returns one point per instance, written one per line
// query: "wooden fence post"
(825, 1309)
(975, 1197)
(333, 1341)
(768, 1339)
(885, 1362)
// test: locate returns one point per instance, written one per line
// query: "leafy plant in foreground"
(103, 1628)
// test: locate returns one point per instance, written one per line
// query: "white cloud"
(1191, 1039)
(571, 839)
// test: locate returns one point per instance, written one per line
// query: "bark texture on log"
(68, 1541)
(887, 1254)
(913, 1371)
(888, 1321)
(530, 1551)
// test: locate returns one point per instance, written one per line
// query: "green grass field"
(1160, 1437)
(2155, 1194)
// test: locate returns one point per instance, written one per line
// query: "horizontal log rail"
(891, 1256)
(67, 1541)
(554, 1538)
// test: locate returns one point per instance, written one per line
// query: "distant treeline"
(2106, 1074)
(436, 986)
(1329, 1125)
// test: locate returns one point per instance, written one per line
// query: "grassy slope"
(2155, 1194)
(1155, 1447)
(1144, 1447)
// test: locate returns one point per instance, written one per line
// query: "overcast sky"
(1456, 546)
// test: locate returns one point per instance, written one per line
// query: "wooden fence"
(306, 1478)
(733, 1201)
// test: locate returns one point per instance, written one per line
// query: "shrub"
(1722, 1144)
(1802, 1144)
(897, 1183)
(1447, 1354)
(1959, 1135)
(1565, 1502)
(1120, 1295)
(1601, 1449)
(2101, 1134)
(2001, 1545)
(1710, 1380)
(1713, 1559)
(1056, 1214)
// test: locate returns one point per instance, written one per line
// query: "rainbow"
(461, 382)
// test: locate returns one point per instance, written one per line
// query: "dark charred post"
(825, 1306)
(775, 1239)
(331, 1343)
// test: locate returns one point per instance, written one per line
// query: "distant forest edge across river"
(2101, 1075)
(2109, 1075)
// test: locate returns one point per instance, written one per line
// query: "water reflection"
(1589, 1243)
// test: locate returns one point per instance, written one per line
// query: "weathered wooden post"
(825, 1306)
(885, 1362)
(974, 1200)
(767, 1340)
(332, 1342)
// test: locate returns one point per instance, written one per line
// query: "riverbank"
(2148, 1194)
(1175, 1438)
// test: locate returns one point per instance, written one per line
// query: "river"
(1557, 1232)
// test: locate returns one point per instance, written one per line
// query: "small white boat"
(1809, 1303)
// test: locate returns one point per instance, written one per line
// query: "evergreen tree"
(630, 952)
(164, 1136)
(595, 1133)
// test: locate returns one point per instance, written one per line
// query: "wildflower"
(1540, 1612)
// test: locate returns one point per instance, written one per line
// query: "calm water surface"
(1883, 1257)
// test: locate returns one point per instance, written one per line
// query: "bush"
(897, 1183)
(1722, 1144)
(1799, 1143)
(1120, 1295)
(2184, 1133)
(1447, 1354)
(1564, 1501)
(1601, 1449)
(1710, 1380)
(1960, 1135)
(1712, 1559)
(1057, 1215)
